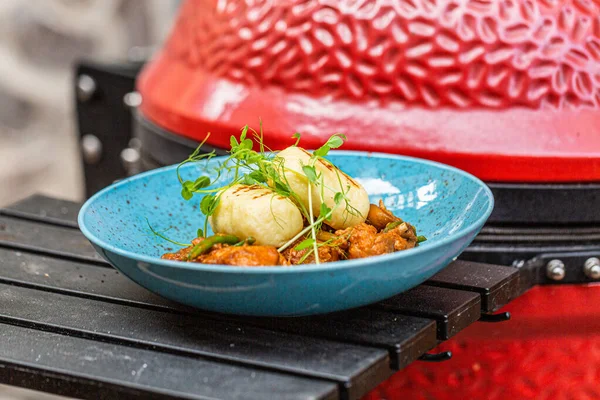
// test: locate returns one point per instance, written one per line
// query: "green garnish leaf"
(339, 196)
(208, 204)
(336, 141)
(282, 189)
(325, 211)
(248, 180)
(200, 233)
(322, 151)
(305, 244)
(186, 193)
(297, 137)
(310, 172)
(253, 158)
(244, 132)
(201, 183)
(257, 176)
(421, 239)
(333, 142)
(233, 142)
(246, 144)
(271, 172)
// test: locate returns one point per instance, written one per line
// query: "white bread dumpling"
(254, 211)
(295, 157)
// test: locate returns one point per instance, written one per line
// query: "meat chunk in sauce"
(327, 253)
(247, 256)
(183, 254)
(380, 217)
(382, 233)
(363, 240)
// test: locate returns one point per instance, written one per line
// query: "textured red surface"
(506, 89)
(550, 350)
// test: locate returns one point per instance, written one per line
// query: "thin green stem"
(299, 235)
(312, 230)
(166, 238)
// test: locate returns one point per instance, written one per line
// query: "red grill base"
(549, 350)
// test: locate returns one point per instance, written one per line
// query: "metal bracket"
(104, 97)
(565, 268)
(437, 357)
(500, 317)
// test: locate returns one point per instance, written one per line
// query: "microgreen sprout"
(160, 235)
(250, 164)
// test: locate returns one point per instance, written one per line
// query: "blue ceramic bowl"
(447, 205)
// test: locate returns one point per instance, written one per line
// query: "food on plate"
(286, 208)
(221, 253)
(258, 212)
(323, 190)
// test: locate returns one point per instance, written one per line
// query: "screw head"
(555, 270)
(591, 268)
(132, 99)
(86, 87)
(130, 158)
(91, 148)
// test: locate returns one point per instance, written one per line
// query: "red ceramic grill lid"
(508, 90)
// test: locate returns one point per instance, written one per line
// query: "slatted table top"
(71, 324)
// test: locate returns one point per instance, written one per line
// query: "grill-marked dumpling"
(246, 211)
(296, 157)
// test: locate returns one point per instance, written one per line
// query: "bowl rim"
(325, 267)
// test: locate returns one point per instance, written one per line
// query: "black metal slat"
(25, 234)
(497, 285)
(41, 238)
(76, 278)
(449, 319)
(457, 312)
(405, 337)
(453, 310)
(45, 209)
(47, 239)
(96, 370)
(189, 335)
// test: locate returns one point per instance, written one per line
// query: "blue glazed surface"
(447, 205)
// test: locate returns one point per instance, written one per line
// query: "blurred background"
(39, 44)
(41, 41)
